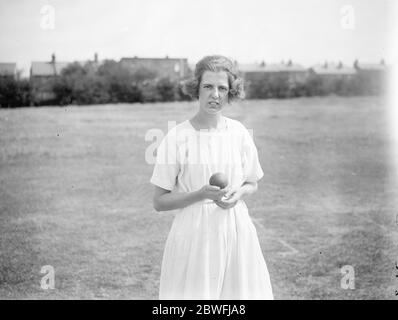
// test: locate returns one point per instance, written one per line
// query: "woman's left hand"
(230, 199)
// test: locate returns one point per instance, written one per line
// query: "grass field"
(74, 194)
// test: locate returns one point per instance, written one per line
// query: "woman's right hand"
(212, 192)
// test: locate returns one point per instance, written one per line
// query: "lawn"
(75, 194)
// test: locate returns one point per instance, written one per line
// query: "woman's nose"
(215, 93)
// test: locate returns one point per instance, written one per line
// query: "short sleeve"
(166, 167)
(251, 165)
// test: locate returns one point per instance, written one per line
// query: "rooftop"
(40, 68)
(54, 67)
(371, 66)
(154, 59)
(271, 67)
(333, 69)
(8, 69)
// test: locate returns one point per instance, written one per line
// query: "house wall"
(42, 88)
(172, 68)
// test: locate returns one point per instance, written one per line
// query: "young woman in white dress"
(212, 250)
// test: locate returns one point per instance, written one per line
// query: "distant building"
(8, 70)
(333, 71)
(42, 75)
(372, 76)
(370, 67)
(173, 68)
(293, 71)
(331, 78)
(360, 78)
(268, 80)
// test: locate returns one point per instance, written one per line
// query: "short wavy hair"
(215, 63)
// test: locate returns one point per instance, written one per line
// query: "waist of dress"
(208, 202)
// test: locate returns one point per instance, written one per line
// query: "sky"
(306, 31)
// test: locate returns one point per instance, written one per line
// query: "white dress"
(210, 252)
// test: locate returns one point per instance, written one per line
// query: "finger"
(231, 200)
(219, 204)
(221, 198)
(223, 192)
(226, 205)
(230, 193)
(227, 202)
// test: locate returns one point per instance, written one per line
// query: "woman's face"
(213, 91)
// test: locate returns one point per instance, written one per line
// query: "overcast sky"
(306, 31)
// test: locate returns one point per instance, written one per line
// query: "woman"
(212, 251)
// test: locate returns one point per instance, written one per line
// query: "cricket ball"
(219, 179)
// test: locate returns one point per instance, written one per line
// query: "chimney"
(382, 62)
(325, 65)
(95, 57)
(289, 63)
(53, 58)
(262, 63)
(340, 65)
(356, 64)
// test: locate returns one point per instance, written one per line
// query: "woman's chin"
(213, 110)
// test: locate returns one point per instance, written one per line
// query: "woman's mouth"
(214, 104)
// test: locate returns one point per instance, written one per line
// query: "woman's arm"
(248, 188)
(165, 200)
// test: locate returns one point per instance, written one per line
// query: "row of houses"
(43, 72)
(359, 78)
(300, 74)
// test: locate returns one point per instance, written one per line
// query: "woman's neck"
(207, 121)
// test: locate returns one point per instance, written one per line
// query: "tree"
(14, 93)
(167, 89)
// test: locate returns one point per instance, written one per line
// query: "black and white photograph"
(198, 150)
